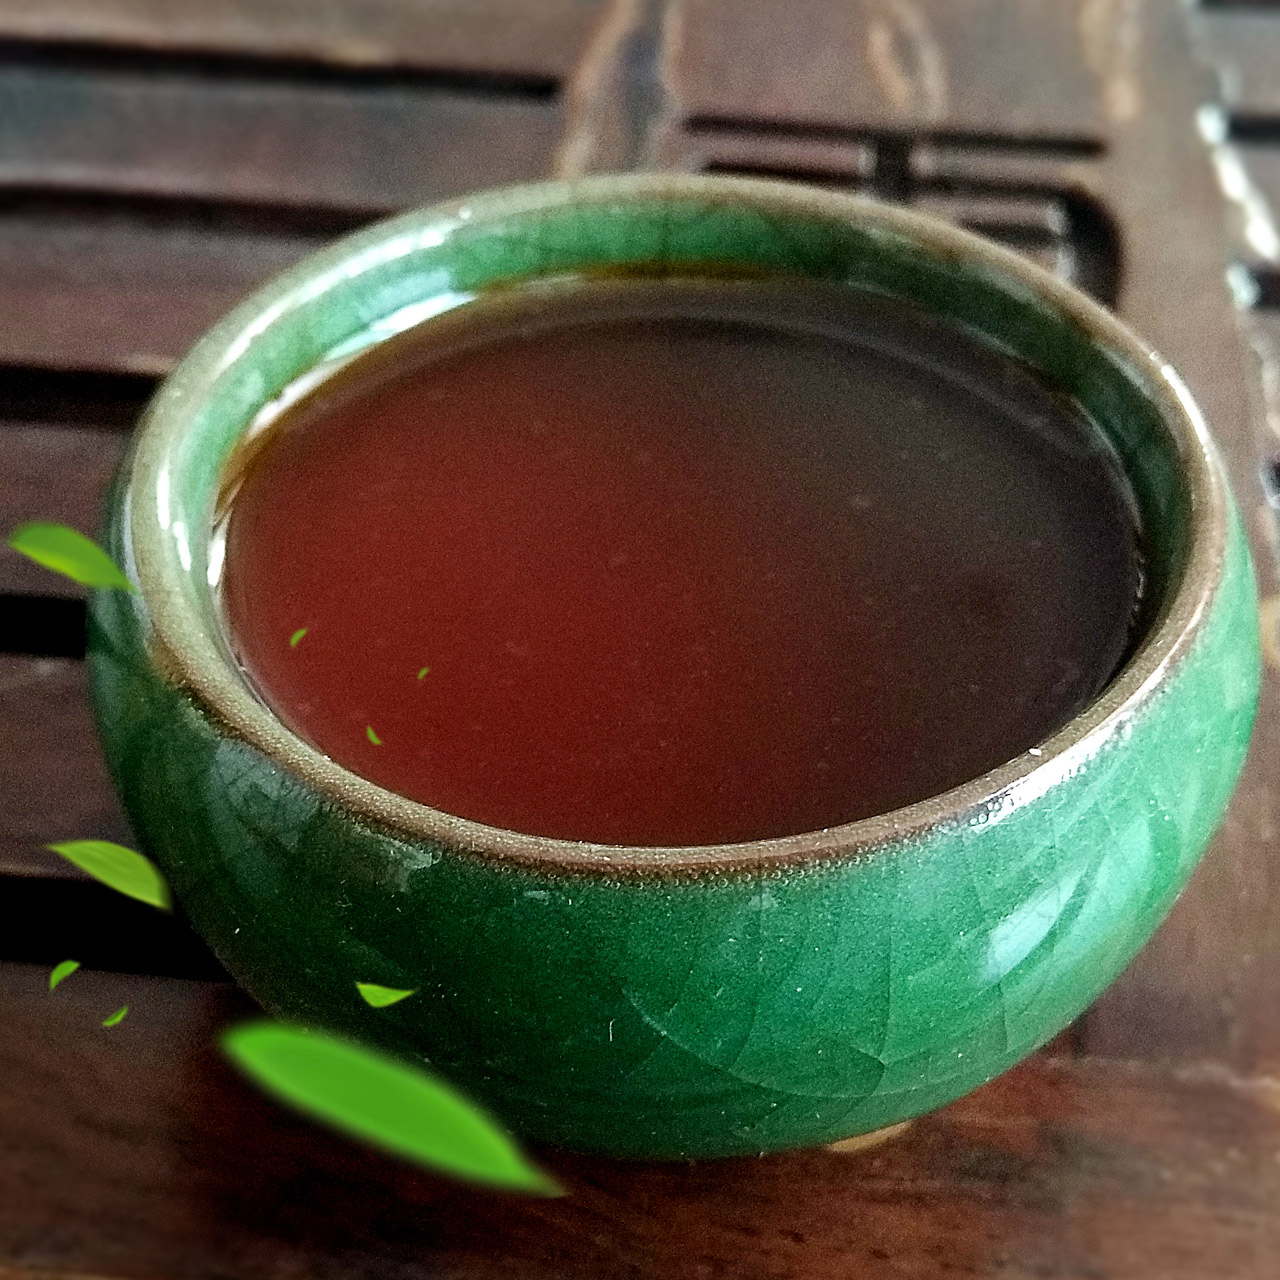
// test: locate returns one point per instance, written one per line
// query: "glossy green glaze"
(680, 1002)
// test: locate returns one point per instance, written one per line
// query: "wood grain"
(125, 287)
(138, 1153)
(51, 473)
(511, 37)
(53, 782)
(236, 137)
(958, 66)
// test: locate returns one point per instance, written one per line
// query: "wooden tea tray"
(160, 157)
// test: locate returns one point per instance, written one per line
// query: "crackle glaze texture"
(774, 997)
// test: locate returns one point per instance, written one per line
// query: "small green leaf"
(118, 868)
(373, 737)
(381, 997)
(297, 635)
(115, 1019)
(388, 1104)
(424, 672)
(64, 970)
(57, 547)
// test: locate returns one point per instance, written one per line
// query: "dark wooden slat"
(92, 287)
(1245, 46)
(138, 1153)
(515, 37)
(53, 782)
(234, 138)
(51, 473)
(1012, 67)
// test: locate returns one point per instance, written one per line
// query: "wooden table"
(160, 157)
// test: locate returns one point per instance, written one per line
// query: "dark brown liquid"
(689, 562)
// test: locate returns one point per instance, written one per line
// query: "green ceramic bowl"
(699, 1001)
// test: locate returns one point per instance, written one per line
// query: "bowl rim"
(191, 659)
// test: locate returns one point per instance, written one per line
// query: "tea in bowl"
(756, 662)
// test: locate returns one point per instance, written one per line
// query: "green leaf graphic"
(373, 737)
(64, 970)
(115, 1019)
(57, 547)
(424, 672)
(297, 635)
(118, 868)
(384, 1102)
(381, 997)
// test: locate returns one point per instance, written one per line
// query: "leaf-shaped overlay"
(373, 737)
(115, 1019)
(62, 549)
(380, 997)
(64, 970)
(119, 868)
(297, 635)
(386, 1103)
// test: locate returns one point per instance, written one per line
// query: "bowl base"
(868, 1141)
